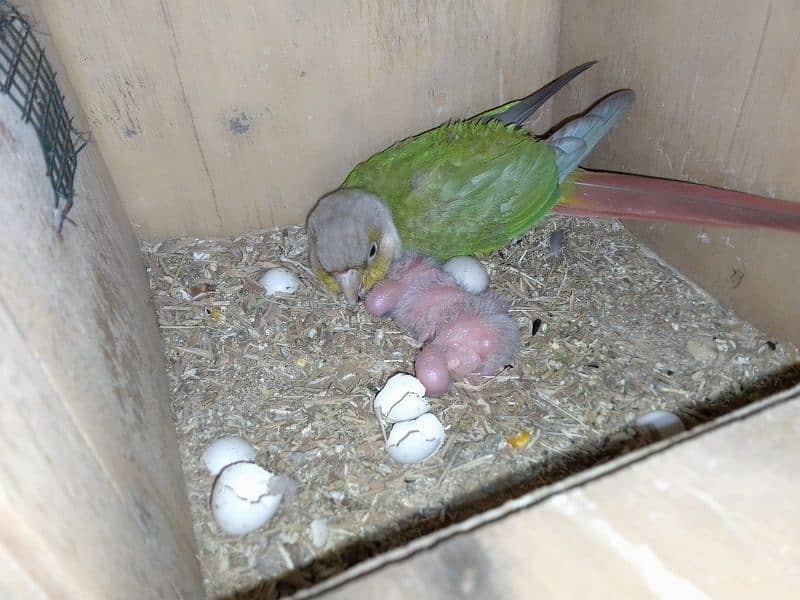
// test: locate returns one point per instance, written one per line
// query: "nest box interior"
(159, 157)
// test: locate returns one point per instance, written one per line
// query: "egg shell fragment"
(225, 451)
(241, 500)
(469, 272)
(401, 399)
(413, 441)
(279, 281)
(318, 532)
(660, 424)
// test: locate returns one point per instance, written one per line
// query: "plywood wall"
(223, 117)
(92, 498)
(718, 84)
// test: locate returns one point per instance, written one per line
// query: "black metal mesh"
(28, 79)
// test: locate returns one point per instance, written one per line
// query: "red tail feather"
(633, 197)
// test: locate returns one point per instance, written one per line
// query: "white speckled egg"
(225, 451)
(241, 500)
(414, 441)
(469, 272)
(660, 424)
(401, 399)
(279, 281)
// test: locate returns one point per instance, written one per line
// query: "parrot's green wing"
(471, 187)
(465, 188)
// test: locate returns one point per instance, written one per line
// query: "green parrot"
(465, 188)
(471, 187)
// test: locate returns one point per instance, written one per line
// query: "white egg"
(241, 500)
(401, 399)
(469, 272)
(414, 441)
(279, 281)
(660, 424)
(225, 451)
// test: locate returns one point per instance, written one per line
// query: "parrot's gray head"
(352, 241)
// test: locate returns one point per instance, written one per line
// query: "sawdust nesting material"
(608, 334)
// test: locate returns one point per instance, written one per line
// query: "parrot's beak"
(350, 283)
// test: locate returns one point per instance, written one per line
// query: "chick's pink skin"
(416, 294)
(430, 367)
(382, 299)
(469, 335)
(471, 345)
(423, 309)
(476, 343)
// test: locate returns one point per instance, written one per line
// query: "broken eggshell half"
(225, 451)
(241, 500)
(401, 399)
(413, 441)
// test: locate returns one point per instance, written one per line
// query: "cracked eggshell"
(469, 272)
(225, 451)
(413, 441)
(401, 399)
(241, 500)
(279, 280)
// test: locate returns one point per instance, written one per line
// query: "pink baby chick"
(466, 334)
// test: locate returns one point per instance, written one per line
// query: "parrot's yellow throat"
(352, 241)
(355, 282)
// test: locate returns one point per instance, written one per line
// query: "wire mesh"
(27, 77)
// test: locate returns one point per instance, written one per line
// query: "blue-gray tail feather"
(522, 110)
(574, 141)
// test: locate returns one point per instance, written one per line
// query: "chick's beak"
(350, 283)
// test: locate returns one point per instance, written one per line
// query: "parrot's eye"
(373, 250)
